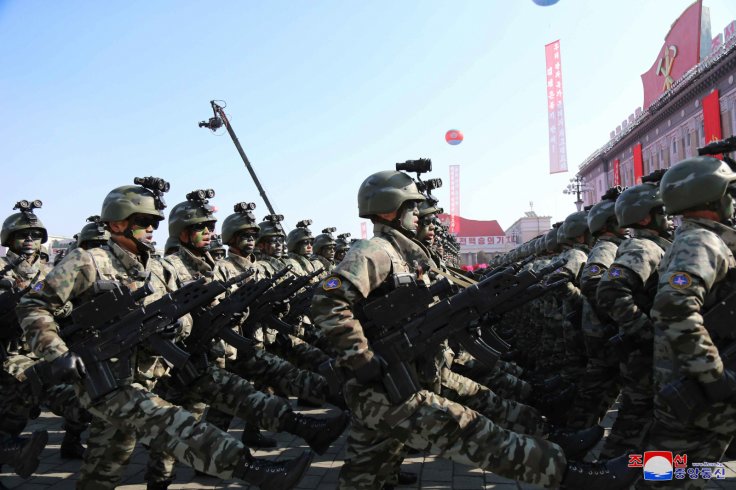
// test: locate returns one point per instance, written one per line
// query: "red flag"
(616, 172)
(638, 164)
(712, 118)
(680, 52)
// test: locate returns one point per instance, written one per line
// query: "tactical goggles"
(306, 241)
(247, 235)
(143, 221)
(210, 225)
(273, 239)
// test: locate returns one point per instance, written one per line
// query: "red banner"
(454, 199)
(638, 164)
(616, 172)
(680, 52)
(555, 109)
(712, 118)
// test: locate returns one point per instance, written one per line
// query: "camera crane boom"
(216, 122)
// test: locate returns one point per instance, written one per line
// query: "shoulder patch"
(615, 272)
(38, 286)
(680, 280)
(594, 269)
(331, 283)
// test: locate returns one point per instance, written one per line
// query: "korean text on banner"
(555, 109)
(638, 164)
(616, 172)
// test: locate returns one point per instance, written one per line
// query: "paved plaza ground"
(434, 473)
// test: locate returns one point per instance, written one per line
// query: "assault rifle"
(406, 323)
(300, 304)
(216, 321)
(685, 396)
(9, 298)
(263, 308)
(721, 148)
(112, 324)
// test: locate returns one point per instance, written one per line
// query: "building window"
(701, 133)
(674, 147)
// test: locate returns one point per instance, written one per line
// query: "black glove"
(721, 389)
(67, 367)
(371, 370)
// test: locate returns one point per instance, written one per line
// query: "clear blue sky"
(321, 94)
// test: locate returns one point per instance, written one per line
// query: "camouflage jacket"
(320, 261)
(690, 275)
(73, 280)
(22, 272)
(302, 265)
(270, 265)
(576, 257)
(627, 289)
(367, 268)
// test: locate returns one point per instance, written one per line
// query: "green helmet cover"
(297, 235)
(126, 200)
(600, 214)
(189, 213)
(236, 222)
(575, 225)
(21, 221)
(695, 182)
(635, 203)
(385, 192)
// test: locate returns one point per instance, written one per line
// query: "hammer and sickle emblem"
(664, 67)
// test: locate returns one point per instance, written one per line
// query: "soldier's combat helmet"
(193, 211)
(324, 239)
(146, 197)
(575, 225)
(241, 219)
(636, 203)
(602, 216)
(698, 183)
(93, 231)
(26, 219)
(270, 227)
(429, 207)
(217, 248)
(172, 245)
(298, 234)
(385, 192)
(550, 239)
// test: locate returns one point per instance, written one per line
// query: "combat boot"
(71, 446)
(318, 432)
(252, 437)
(158, 485)
(576, 444)
(272, 475)
(613, 474)
(22, 452)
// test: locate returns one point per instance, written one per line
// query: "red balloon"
(454, 137)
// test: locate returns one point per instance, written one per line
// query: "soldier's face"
(304, 247)
(340, 254)
(200, 235)
(328, 252)
(273, 246)
(426, 230)
(27, 242)
(245, 242)
(409, 216)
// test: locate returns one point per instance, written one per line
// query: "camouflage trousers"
(265, 369)
(298, 352)
(18, 404)
(635, 412)
(703, 440)
(501, 378)
(225, 391)
(597, 389)
(133, 413)
(373, 457)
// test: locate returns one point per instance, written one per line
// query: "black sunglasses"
(143, 221)
(210, 225)
(32, 234)
(245, 235)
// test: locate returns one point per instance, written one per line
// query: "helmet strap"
(142, 247)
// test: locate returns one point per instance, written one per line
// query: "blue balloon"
(545, 3)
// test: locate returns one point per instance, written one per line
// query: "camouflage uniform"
(426, 421)
(626, 292)
(17, 403)
(218, 387)
(599, 386)
(131, 411)
(691, 274)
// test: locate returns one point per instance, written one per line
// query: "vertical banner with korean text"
(455, 199)
(555, 109)
(638, 164)
(364, 230)
(616, 172)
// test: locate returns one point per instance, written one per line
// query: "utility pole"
(216, 122)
